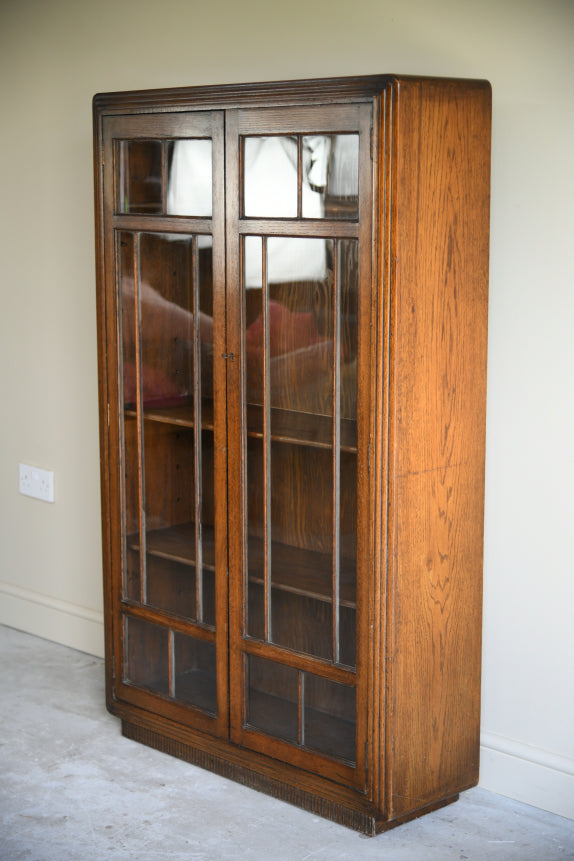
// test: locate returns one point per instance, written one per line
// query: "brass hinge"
(371, 143)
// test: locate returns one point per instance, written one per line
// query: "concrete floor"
(72, 788)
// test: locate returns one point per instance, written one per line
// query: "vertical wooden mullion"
(139, 416)
(299, 176)
(301, 710)
(266, 449)
(197, 432)
(171, 663)
(336, 448)
(163, 177)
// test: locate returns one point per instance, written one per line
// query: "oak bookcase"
(292, 307)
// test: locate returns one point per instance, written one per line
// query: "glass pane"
(194, 672)
(348, 558)
(301, 325)
(189, 189)
(140, 172)
(348, 251)
(272, 698)
(131, 488)
(170, 586)
(270, 171)
(166, 292)
(256, 608)
(147, 655)
(331, 175)
(176, 360)
(330, 717)
(301, 549)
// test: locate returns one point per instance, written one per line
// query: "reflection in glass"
(270, 170)
(131, 488)
(167, 371)
(140, 169)
(301, 176)
(334, 173)
(189, 189)
(301, 354)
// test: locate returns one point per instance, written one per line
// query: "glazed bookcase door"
(164, 247)
(298, 192)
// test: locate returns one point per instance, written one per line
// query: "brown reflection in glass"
(299, 323)
(189, 186)
(140, 177)
(167, 357)
(272, 698)
(195, 672)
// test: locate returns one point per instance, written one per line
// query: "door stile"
(336, 512)
(237, 477)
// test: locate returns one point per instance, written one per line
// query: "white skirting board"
(507, 767)
(59, 621)
(527, 773)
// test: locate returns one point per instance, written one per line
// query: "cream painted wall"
(54, 55)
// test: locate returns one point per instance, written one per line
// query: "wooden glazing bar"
(266, 448)
(162, 223)
(301, 710)
(319, 227)
(139, 419)
(336, 446)
(163, 177)
(171, 661)
(299, 176)
(197, 434)
(299, 661)
(160, 617)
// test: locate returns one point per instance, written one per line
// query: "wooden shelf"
(299, 428)
(178, 414)
(288, 426)
(301, 572)
(177, 543)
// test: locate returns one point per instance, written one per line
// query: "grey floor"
(72, 788)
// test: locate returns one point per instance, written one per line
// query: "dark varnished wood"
(397, 484)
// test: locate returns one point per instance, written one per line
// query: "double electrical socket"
(36, 482)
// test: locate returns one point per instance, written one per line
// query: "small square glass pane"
(194, 676)
(189, 186)
(272, 698)
(147, 656)
(139, 180)
(270, 177)
(330, 717)
(330, 176)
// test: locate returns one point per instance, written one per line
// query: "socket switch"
(36, 482)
